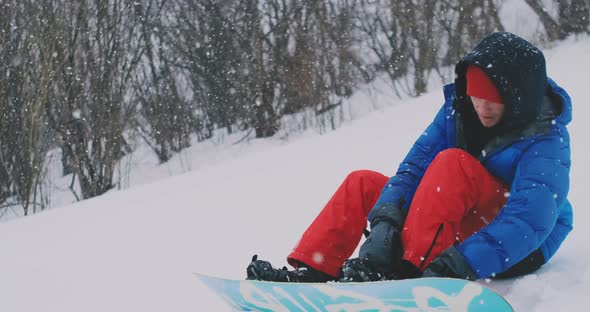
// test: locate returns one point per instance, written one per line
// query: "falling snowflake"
(317, 257)
(76, 114)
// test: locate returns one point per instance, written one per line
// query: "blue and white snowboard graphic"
(423, 294)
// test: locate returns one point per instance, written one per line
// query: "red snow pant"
(456, 197)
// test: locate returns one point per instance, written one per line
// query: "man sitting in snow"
(483, 191)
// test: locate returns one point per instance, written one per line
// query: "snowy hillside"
(135, 250)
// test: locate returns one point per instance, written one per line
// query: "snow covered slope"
(136, 250)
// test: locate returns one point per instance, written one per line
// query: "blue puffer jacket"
(532, 156)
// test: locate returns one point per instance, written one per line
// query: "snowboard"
(422, 294)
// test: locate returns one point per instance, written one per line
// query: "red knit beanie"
(479, 85)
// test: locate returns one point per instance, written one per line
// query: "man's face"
(488, 112)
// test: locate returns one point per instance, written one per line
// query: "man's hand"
(450, 263)
(383, 247)
(359, 270)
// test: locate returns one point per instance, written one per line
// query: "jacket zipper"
(440, 228)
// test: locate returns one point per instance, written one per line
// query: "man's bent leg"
(336, 231)
(456, 197)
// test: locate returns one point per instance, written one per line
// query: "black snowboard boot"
(263, 271)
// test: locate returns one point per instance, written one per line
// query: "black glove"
(528, 265)
(383, 247)
(359, 270)
(450, 263)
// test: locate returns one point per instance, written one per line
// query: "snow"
(136, 250)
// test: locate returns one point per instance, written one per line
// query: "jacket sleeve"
(530, 214)
(403, 184)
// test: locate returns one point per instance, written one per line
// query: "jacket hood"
(517, 69)
(559, 95)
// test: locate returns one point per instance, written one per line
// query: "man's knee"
(452, 154)
(453, 157)
(362, 175)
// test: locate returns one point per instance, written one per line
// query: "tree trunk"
(574, 16)
(553, 29)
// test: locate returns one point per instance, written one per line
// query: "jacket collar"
(541, 125)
